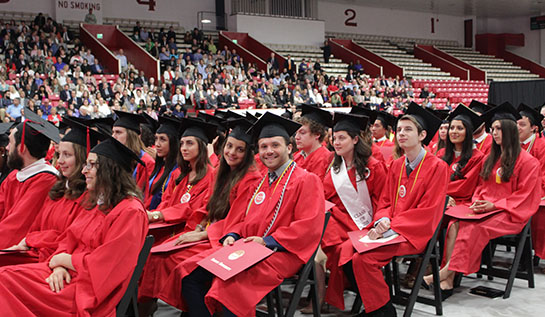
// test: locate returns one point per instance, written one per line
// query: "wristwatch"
(155, 215)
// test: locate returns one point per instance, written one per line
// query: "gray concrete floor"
(524, 301)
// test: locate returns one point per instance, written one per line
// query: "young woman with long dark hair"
(509, 183)
(77, 279)
(167, 146)
(354, 183)
(188, 192)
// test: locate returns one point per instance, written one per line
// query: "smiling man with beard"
(24, 190)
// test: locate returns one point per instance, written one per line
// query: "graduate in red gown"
(461, 155)
(464, 161)
(189, 191)
(126, 130)
(24, 191)
(529, 127)
(167, 146)
(483, 140)
(236, 179)
(92, 267)
(313, 156)
(509, 184)
(354, 183)
(411, 206)
(63, 203)
(289, 219)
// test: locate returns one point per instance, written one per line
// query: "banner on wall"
(76, 10)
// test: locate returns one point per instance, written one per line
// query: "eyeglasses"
(90, 165)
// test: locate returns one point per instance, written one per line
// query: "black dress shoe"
(425, 285)
(446, 293)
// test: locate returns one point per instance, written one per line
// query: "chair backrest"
(326, 220)
(433, 240)
(132, 290)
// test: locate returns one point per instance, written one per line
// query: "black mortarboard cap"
(250, 117)
(531, 113)
(350, 122)
(222, 114)
(63, 127)
(230, 115)
(466, 115)
(505, 111)
(205, 131)
(218, 121)
(429, 122)
(169, 126)
(44, 127)
(150, 122)
(270, 125)
(287, 114)
(4, 132)
(239, 128)
(82, 134)
(441, 114)
(386, 119)
(5, 127)
(104, 125)
(479, 107)
(115, 150)
(371, 114)
(316, 114)
(129, 120)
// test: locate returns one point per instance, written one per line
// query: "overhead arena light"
(206, 21)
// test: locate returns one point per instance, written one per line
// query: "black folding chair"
(128, 304)
(523, 252)
(431, 255)
(300, 281)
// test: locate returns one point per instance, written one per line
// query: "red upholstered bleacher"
(458, 91)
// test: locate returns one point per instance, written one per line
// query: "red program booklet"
(463, 212)
(230, 260)
(161, 224)
(362, 243)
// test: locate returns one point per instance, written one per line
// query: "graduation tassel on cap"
(88, 141)
(23, 137)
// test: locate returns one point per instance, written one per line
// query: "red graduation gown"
(43, 237)
(143, 173)
(537, 150)
(341, 223)
(316, 162)
(104, 249)
(176, 212)
(415, 217)
(20, 204)
(519, 199)
(377, 153)
(214, 160)
(485, 145)
(169, 267)
(297, 228)
(461, 190)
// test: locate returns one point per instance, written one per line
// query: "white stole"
(357, 203)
